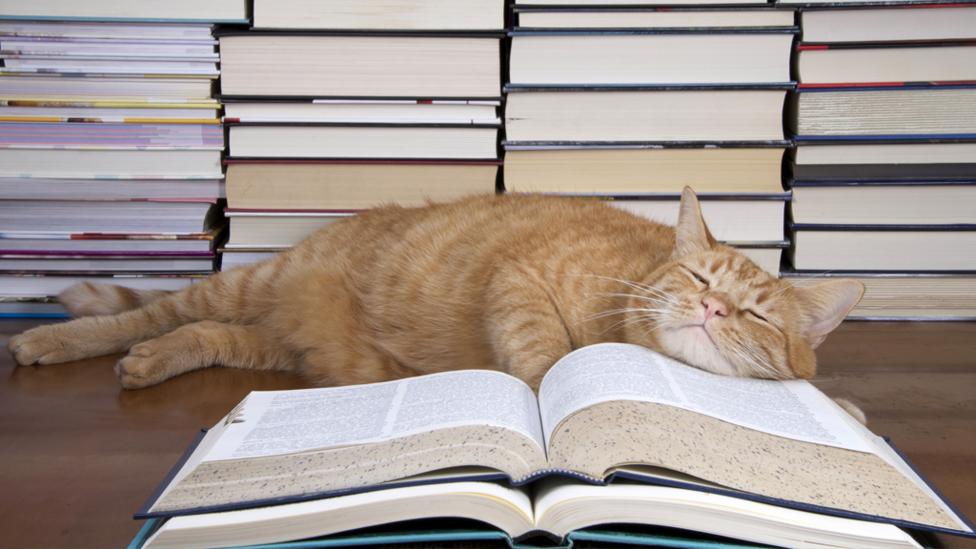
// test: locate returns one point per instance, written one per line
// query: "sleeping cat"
(502, 282)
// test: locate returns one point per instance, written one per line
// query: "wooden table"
(78, 455)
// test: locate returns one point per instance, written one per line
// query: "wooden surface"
(78, 455)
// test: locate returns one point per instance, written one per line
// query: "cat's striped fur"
(502, 282)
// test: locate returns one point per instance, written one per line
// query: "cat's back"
(493, 227)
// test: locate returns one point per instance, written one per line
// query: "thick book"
(614, 170)
(276, 229)
(849, 63)
(656, 56)
(664, 114)
(884, 202)
(216, 11)
(128, 88)
(881, 23)
(730, 217)
(111, 164)
(353, 185)
(39, 188)
(111, 136)
(595, 16)
(604, 413)
(892, 295)
(390, 141)
(909, 160)
(893, 112)
(361, 111)
(476, 15)
(360, 65)
(57, 217)
(859, 247)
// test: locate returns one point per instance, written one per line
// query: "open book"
(607, 412)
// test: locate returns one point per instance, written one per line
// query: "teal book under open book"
(617, 434)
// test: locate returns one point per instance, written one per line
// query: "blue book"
(615, 427)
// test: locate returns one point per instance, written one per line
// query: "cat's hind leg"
(199, 345)
(89, 299)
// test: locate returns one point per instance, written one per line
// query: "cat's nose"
(714, 306)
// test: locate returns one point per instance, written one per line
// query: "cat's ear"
(691, 234)
(823, 307)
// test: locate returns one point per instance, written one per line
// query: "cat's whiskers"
(625, 310)
(652, 320)
(753, 357)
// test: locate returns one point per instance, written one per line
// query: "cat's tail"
(89, 299)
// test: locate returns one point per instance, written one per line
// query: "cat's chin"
(693, 345)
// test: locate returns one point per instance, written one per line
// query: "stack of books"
(884, 177)
(110, 147)
(621, 445)
(633, 103)
(334, 107)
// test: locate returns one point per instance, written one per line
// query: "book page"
(282, 422)
(618, 371)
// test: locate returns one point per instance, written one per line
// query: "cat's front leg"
(65, 342)
(199, 345)
(528, 334)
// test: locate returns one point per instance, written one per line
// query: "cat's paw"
(145, 365)
(44, 345)
(853, 409)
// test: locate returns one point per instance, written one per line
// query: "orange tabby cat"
(502, 282)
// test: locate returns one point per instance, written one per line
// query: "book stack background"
(338, 106)
(110, 147)
(632, 103)
(884, 175)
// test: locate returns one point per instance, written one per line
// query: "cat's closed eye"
(697, 276)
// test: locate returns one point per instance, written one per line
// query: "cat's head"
(715, 309)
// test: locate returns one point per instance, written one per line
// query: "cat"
(506, 282)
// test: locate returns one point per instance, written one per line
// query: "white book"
(661, 19)
(110, 164)
(889, 23)
(380, 14)
(883, 250)
(362, 142)
(176, 10)
(738, 220)
(390, 111)
(904, 63)
(592, 58)
(679, 115)
(360, 66)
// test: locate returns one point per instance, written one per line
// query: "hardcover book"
(859, 247)
(639, 56)
(431, 66)
(608, 169)
(905, 295)
(663, 114)
(907, 160)
(353, 185)
(604, 414)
